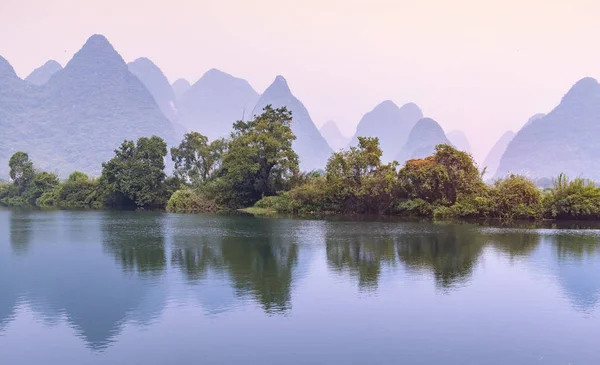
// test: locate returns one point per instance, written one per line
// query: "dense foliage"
(258, 167)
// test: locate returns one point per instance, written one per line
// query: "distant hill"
(309, 144)
(333, 136)
(215, 102)
(459, 140)
(42, 74)
(492, 160)
(423, 138)
(180, 87)
(77, 119)
(157, 83)
(390, 124)
(564, 141)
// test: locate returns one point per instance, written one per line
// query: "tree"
(135, 176)
(196, 160)
(442, 178)
(21, 170)
(260, 160)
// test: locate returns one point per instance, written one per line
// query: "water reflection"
(103, 271)
(65, 278)
(136, 241)
(450, 254)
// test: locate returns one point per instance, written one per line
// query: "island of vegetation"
(258, 169)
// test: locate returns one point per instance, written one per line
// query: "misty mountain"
(390, 124)
(309, 144)
(215, 102)
(157, 83)
(459, 140)
(333, 136)
(423, 138)
(180, 87)
(492, 160)
(77, 119)
(564, 141)
(42, 74)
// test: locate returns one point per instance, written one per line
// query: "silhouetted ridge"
(390, 124)
(180, 87)
(6, 69)
(423, 138)
(42, 74)
(492, 160)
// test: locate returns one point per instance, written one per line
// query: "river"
(154, 288)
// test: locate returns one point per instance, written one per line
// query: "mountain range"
(563, 141)
(84, 111)
(390, 124)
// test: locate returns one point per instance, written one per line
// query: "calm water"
(147, 288)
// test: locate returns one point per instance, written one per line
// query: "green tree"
(21, 170)
(260, 160)
(196, 160)
(135, 176)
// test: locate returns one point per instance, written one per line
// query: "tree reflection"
(136, 241)
(515, 245)
(362, 256)
(449, 254)
(195, 256)
(262, 264)
(20, 231)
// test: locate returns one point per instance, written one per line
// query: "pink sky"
(480, 66)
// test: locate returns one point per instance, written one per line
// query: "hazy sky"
(476, 65)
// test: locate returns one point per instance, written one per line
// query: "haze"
(479, 66)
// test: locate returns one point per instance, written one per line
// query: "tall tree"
(135, 176)
(21, 170)
(260, 160)
(196, 160)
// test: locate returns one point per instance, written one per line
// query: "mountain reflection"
(64, 274)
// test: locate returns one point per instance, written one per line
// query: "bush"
(190, 201)
(515, 197)
(576, 199)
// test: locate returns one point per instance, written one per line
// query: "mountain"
(492, 160)
(42, 74)
(333, 136)
(564, 141)
(156, 82)
(180, 87)
(309, 144)
(423, 138)
(390, 124)
(85, 111)
(215, 102)
(460, 140)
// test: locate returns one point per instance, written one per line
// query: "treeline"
(258, 167)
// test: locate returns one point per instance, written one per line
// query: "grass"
(258, 211)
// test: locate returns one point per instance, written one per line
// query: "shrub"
(190, 201)
(576, 199)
